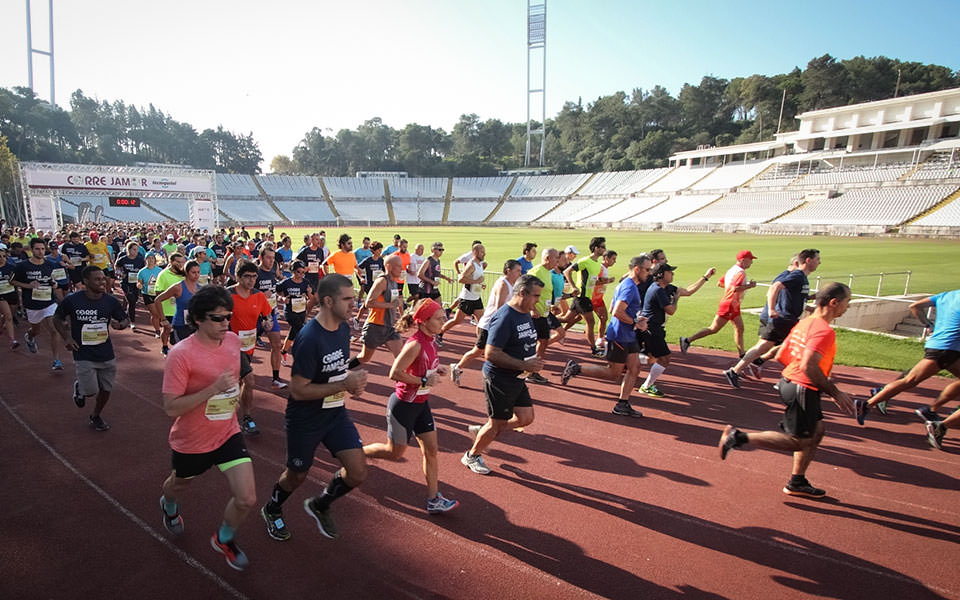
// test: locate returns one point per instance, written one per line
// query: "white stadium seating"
(853, 175)
(418, 187)
(869, 206)
(237, 186)
(577, 208)
(248, 211)
(354, 188)
(305, 211)
(523, 210)
(746, 207)
(470, 211)
(945, 216)
(363, 211)
(426, 210)
(729, 176)
(291, 186)
(674, 208)
(938, 166)
(627, 208)
(621, 183)
(678, 179)
(547, 186)
(177, 209)
(480, 187)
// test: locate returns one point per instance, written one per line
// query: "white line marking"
(184, 556)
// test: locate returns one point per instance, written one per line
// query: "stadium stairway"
(228, 218)
(159, 212)
(386, 197)
(265, 196)
(792, 210)
(756, 177)
(564, 201)
(503, 198)
(326, 196)
(950, 198)
(446, 201)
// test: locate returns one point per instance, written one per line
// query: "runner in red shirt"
(734, 285)
(808, 354)
(416, 370)
(200, 389)
(250, 306)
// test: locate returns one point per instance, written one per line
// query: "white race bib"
(59, 274)
(220, 261)
(99, 259)
(248, 339)
(5, 287)
(298, 305)
(476, 288)
(272, 301)
(93, 334)
(335, 400)
(203, 280)
(152, 287)
(43, 293)
(76, 261)
(313, 267)
(222, 406)
(424, 390)
(131, 277)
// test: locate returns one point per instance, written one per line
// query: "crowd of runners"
(211, 301)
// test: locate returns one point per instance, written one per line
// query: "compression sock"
(336, 488)
(171, 508)
(276, 374)
(655, 371)
(226, 533)
(354, 363)
(759, 361)
(740, 438)
(277, 498)
(797, 480)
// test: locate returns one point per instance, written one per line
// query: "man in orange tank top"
(807, 354)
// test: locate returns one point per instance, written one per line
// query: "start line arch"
(44, 184)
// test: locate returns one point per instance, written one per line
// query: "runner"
(168, 278)
(219, 248)
(34, 277)
(250, 311)
(343, 261)
(735, 285)
(660, 301)
(417, 260)
(470, 304)
(312, 256)
(786, 299)
(296, 296)
(368, 270)
(8, 298)
(525, 259)
(90, 313)
(100, 257)
(384, 301)
(147, 284)
(623, 349)
(267, 283)
(416, 370)
(588, 271)
(78, 255)
(59, 274)
(430, 274)
(200, 391)
(511, 350)
(807, 354)
(941, 352)
(500, 293)
(128, 269)
(549, 328)
(599, 290)
(316, 413)
(181, 294)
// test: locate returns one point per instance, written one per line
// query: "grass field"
(935, 266)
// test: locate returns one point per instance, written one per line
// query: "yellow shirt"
(99, 254)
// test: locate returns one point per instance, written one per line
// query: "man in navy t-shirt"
(90, 313)
(785, 304)
(316, 414)
(510, 351)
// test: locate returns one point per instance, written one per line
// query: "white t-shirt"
(473, 290)
(466, 257)
(415, 261)
(492, 306)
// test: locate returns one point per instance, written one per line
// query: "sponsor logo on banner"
(83, 211)
(92, 178)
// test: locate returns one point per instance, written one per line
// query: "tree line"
(616, 132)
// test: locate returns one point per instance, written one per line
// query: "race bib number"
(313, 267)
(93, 334)
(423, 390)
(335, 400)
(222, 406)
(203, 280)
(525, 373)
(375, 271)
(99, 259)
(44, 293)
(131, 278)
(76, 261)
(152, 287)
(476, 288)
(248, 339)
(272, 301)
(298, 305)
(219, 261)
(5, 287)
(59, 274)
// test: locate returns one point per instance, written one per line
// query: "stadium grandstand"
(891, 166)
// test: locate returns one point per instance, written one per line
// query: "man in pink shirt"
(201, 390)
(735, 285)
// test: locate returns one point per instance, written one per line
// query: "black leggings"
(132, 296)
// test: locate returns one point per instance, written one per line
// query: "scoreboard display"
(124, 201)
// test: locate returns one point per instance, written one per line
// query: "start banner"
(70, 177)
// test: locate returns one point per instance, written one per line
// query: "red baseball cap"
(94, 235)
(745, 254)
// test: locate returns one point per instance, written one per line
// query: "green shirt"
(167, 279)
(549, 291)
(169, 249)
(588, 271)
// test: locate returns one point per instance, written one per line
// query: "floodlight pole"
(537, 40)
(31, 51)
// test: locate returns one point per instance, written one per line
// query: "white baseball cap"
(573, 249)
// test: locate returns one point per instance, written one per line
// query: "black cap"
(659, 269)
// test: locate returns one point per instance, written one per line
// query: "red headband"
(426, 310)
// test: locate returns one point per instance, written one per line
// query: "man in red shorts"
(734, 285)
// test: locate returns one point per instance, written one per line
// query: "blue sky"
(278, 69)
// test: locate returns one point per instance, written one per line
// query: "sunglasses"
(220, 318)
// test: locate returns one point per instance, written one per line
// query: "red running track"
(582, 504)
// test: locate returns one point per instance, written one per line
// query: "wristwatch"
(423, 381)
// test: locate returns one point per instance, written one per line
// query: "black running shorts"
(504, 394)
(802, 410)
(232, 452)
(943, 358)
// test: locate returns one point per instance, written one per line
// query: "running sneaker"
(474, 429)
(440, 504)
(285, 360)
(882, 407)
(860, 409)
(598, 352)
(651, 391)
(684, 345)
(230, 551)
(165, 351)
(31, 343)
(732, 378)
(133, 327)
(248, 426)
(56, 366)
(935, 433)
(728, 441)
(278, 385)
(757, 369)
(804, 489)
(537, 378)
(78, 398)
(14, 344)
(571, 369)
(156, 333)
(926, 414)
(625, 410)
(455, 375)
(173, 524)
(276, 528)
(475, 463)
(323, 518)
(98, 423)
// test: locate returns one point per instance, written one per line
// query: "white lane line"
(184, 556)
